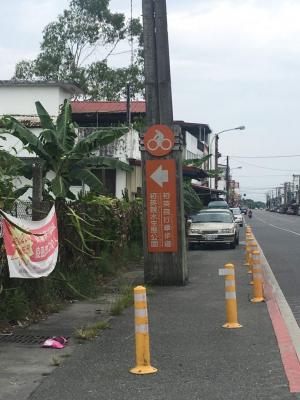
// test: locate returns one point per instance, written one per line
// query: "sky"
(233, 62)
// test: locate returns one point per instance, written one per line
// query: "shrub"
(98, 237)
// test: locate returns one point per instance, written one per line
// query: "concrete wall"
(134, 181)
(191, 149)
(120, 183)
(20, 100)
(11, 144)
(128, 146)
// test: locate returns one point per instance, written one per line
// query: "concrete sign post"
(164, 229)
(161, 148)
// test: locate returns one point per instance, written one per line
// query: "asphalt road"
(279, 238)
(197, 359)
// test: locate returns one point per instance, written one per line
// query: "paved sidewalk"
(196, 358)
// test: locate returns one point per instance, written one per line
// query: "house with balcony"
(17, 98)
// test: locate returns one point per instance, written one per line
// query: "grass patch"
(123, 300)
(55, 361)
(66, 355)
(91, 331)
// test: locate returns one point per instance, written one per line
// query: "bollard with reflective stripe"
(253, 247)
(230, 297)
(142, 343)
(258, 294)
(249, 239)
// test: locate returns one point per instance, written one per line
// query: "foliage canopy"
(76, 47)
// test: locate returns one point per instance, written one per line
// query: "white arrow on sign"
(160, 176)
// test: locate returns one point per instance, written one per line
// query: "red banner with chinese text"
(31, 246)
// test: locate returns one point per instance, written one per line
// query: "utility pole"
(216, 161)
(161, 266)
(227, 179)
(151, 82)
(128, 105)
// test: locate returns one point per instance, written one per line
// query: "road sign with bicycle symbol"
(159, 140)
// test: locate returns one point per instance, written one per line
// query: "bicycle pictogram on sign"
(159, 140)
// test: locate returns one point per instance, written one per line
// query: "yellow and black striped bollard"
(230, 297)
(142, 342)
(258, 294)
(253, 247)
(249, 238)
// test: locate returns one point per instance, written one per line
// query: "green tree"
(60, 151)
(71, 43)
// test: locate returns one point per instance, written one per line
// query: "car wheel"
(233, 244)
(237, 240)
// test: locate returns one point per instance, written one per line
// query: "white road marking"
(278, 227)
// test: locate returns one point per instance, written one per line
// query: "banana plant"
(196, 162)
(62, 153)
(10, 167)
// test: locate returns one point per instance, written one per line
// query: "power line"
(259, 188)
(259, 176)
(273, 169)
(280, 156)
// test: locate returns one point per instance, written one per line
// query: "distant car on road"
(282, 210)
(237, 215)
(213, 226)
(244, 210)
(218, 204)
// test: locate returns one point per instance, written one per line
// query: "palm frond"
(20, 191)
(65, 128)
(46, 120)
(8, 161)
(103, 162)
(192, 203)
(59, 186)
(196, 162)
(28, 138)
(87, 177)
(96, 139)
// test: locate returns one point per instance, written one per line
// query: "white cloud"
(237, 40)
(21, 25)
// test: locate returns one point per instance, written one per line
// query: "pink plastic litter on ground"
(57, 342)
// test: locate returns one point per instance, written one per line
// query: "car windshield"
(236, 211)
(217, 204)
(212, 217)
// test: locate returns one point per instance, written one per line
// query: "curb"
(285, 326)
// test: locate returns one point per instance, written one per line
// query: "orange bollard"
(230, 296)
(249, 238)
(248, 229)
(252, 246)
(142, 346)
(258, 295)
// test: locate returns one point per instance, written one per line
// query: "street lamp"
(216, 137)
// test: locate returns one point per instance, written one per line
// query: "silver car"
(213, 226)
(237, 215)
